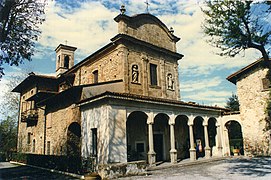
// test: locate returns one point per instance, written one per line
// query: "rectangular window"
(95, 76)
(48, 147)
(94, 141)
(153, 74)
(140, 147)
(266, 83)
(28, 138)
(49, 120)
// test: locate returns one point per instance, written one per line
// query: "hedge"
(73, 164)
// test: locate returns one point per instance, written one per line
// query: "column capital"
(190, 121)
(172, 118)
(217, 124)
(150, 119)
(205, 121)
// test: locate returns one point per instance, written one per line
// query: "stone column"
(219, 144)
(192, 149)
(206, 138)
(173, 151)
(151, 153)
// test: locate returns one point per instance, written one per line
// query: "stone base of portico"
(193, 155)
(173, 156)
(207, 152)
(151, 157)
(220, 154)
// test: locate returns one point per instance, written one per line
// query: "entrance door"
(158, 146)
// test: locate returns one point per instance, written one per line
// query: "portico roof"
(147, 99)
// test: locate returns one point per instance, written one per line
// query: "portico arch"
(161, 137)
(212, 133)
(235, 136)
(199, 136)
(136, 134)
(181, 130)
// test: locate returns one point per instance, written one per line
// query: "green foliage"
(268, 111)
(19, 30)
(233, 103)
(8, 135)
(234, 26)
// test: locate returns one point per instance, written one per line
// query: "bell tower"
(64, 58)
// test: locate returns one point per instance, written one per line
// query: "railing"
(29, 115)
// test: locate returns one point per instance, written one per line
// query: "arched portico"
(161, 137)
(137, 137)
(199, 138)
(235, 136)
(212, 134)
(182, 137)
(170, 137)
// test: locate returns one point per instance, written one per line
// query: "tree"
(234, 26)
(8, 135)
(233, 103)
(9, 111)
(19, 30)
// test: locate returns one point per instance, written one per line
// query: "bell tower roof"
(66, 47)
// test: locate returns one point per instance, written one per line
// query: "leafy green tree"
(234, 26)
(9, 111)
(8, 134)
(19, 30)
(233, 103)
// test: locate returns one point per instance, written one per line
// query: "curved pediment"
(148, 28)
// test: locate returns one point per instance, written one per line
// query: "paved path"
(12, 172)
(234, 168)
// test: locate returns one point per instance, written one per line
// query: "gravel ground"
(233, 168)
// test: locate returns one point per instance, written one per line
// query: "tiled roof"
(31, 79)
(127, 96)
(235, 76)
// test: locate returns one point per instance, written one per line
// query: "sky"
(89, 25)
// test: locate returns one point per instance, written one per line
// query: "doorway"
(158, 146)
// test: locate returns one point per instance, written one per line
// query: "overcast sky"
(89, 25)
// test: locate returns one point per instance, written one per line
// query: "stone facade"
(253, 94)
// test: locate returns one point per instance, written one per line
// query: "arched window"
(66, 61)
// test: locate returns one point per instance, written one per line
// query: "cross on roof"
(147, 4)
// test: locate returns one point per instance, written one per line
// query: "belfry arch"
(136, 135)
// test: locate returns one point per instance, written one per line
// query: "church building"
(122, 103)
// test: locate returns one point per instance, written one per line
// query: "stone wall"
(165, 66)
(109, 66)
(253, 102)
(30, 135)
(57, 123)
